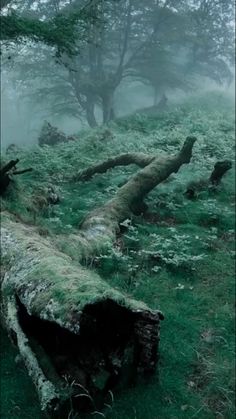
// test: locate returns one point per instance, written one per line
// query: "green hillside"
(179, 256)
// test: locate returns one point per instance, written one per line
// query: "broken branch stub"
(220, 169)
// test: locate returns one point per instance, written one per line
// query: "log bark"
(101, 226)
(139, 159)
(85, 327)
(54, 299)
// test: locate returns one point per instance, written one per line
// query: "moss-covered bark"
(140, 159)
(102, 225)
(59, 305)
(84, 327)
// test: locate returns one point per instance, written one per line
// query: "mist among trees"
(117, 187)
(87, 73)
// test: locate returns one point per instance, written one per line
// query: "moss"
(48, 283)
(206, 299)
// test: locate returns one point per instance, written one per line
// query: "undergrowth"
(177, 257)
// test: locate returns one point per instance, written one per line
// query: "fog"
(126, 64)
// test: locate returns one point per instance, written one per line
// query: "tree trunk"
(68, 322)
(99, 229)
(90, 116)
(108, 106)
(65, 319)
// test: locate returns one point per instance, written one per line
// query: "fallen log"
(87, 330)
(101, 226)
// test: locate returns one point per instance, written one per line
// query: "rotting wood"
(100, 227)
(56, 299)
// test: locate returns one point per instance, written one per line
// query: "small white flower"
(179, 287)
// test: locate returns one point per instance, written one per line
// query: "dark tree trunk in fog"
(90, 107)
(108, 106)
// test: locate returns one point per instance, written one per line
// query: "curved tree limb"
(102, 224)
(140, 159)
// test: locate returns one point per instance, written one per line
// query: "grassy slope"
(194, 286)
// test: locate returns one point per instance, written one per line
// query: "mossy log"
(101, 226)
(76, 333)
(87, 330)
(139, 159)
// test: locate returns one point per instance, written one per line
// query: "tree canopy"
(60, 30)
(101, 44)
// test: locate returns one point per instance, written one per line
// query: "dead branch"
(220, 169)
(20, 172)
(140, 159)
(58, 300)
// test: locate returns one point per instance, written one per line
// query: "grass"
(18, 398)
(193, 286)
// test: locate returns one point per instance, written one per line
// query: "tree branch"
(20, 172)
(140, 159)
(125, 42)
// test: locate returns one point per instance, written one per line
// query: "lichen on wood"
(56, 299)
(53, 298)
